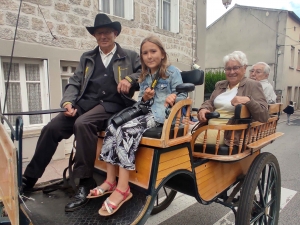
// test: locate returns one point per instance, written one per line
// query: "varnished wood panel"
(172, 161)
(143, 165)
(8, 176)
(214, 177)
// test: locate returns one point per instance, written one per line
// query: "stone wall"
(66, 19)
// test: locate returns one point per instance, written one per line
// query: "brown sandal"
(98, 192)
(110, 207)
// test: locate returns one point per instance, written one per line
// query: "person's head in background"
(291, 103)
(260, 71)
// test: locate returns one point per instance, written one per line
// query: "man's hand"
(71, 112)
(201, 115)
(239, 100)
(148, 94)
(124, 86)
(170, 100)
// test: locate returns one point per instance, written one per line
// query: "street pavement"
(186, 210)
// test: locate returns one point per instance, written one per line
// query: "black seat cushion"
(210, 149)
(156, 132)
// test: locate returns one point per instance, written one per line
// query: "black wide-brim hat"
(102, 20)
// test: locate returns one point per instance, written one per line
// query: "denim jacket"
(163, 89)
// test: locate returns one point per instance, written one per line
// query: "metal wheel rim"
(265, 198)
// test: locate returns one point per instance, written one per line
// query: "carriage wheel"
(164, 198)
(260, 195)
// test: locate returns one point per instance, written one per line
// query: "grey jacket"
(126, 65)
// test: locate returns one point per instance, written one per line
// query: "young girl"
(289, 110)
(121, 143)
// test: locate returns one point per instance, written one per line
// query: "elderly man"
(94, 94)
(260, 71)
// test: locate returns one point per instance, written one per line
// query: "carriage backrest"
(195, 77)
(242, 112)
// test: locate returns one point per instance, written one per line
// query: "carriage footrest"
(48, 209)
(264, 141)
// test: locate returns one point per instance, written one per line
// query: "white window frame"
(65, 75)
(292, 56)
(128, 10)
(298, 63)
(43, 67)
(174, 26)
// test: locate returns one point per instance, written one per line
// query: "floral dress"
(120, 144)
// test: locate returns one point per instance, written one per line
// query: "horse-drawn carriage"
(168, 161)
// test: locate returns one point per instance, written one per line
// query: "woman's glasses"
(235, 69)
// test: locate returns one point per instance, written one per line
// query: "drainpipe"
(276, 51)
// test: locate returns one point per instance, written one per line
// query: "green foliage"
(211, 78)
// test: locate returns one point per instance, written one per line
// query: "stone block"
(58, 16)
(62, 29)
(26, 35)
(79, 32)
(62, 7)
(145, 18)
(37, 24)
(72, 19)
(75, 2)
(40, 2)
(81, 12)
(44, 12)
(9, 5)
(87, 3)
(6, 33)
(29, 8)
(2, 18)
(87, 44)
(87, 22)
(11, 20)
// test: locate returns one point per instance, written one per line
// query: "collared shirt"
(268, 91)
(107, 57)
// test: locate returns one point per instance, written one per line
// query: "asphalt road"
(186, 211)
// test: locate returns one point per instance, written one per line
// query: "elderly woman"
(237, 89)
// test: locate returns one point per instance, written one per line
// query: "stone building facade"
(51, 37)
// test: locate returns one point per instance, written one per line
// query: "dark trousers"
(84, 126)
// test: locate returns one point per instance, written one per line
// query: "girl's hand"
(148, 94)
(170, 100)
(201, 115)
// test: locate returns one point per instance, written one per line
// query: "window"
(292, 56)
(27, 89)
(67, 70)
(298, 64)
(168, 15)
(121, 8)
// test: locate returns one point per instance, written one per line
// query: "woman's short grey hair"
(267, 68)
(236, 56)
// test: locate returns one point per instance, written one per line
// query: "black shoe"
(80, 199)
(28, 183)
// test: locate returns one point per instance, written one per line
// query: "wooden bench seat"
(254, 136)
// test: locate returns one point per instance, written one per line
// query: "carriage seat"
(252, 133)
(211, 148)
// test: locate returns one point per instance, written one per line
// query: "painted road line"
(286, 196)
(180, 203)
